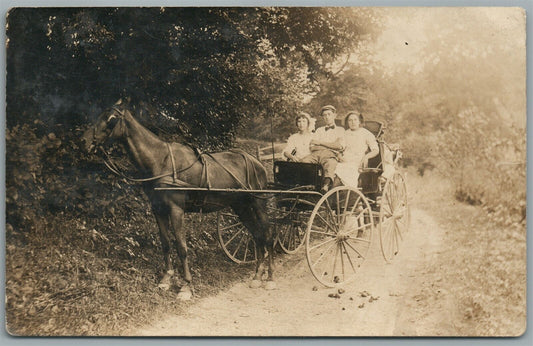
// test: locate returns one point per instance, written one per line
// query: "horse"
(176, 164)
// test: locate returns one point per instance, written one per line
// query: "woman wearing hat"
(358, 141)
(298, 143)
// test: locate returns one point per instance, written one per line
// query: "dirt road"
(396, 299)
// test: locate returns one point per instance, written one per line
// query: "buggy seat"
(369, 177)
(294, 174)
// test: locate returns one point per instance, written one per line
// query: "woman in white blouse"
(298, 143)
(358, 141)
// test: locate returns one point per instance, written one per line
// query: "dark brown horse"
(173, 164)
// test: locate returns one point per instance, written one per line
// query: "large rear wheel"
(339, 235)
(394, 216)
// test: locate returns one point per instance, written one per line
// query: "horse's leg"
(263, 225)
(161, 216)
(243, 208)
(176, 220)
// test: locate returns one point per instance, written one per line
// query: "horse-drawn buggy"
(336, 228)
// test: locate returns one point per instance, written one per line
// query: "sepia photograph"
(265, 172)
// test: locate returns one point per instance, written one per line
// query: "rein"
(115, 169)
(112, 166)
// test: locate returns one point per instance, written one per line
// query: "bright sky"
(410, 29)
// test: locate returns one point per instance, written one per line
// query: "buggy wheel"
(290, 222)
(394, 216)
(339, 234)
(234, 238)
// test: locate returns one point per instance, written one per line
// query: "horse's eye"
(111, 121)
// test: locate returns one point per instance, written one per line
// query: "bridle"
(112, 166)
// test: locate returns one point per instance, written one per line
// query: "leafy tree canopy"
(203, 71)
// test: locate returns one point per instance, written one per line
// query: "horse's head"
(108, 125)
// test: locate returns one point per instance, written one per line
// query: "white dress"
(357, 142)
(298, 144)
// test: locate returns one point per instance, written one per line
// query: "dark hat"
(328, 107)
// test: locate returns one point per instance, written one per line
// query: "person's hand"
(364, 162)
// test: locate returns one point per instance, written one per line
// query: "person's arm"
(337, 145)
(374, 149)
(289, 149)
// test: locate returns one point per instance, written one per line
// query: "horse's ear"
(119, 102)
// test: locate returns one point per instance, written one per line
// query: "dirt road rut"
(385, 300)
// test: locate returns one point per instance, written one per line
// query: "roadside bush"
(486, 161)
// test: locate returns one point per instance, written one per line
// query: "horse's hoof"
(255, 284)
(185, 294)
(165, 282)
(270, 285)
(164, 286)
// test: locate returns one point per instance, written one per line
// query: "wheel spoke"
(246, 249)
(239, 245)
(346, 206)
(319, 245)
(386, 208)
(285, 234)
(323, 254)
(231, 226)
(397, 241)
(335, 260)
(233, 237)
(291, 238)
(361, 240)
(355, 250)
(330, 213)
(327, 223)
(398, 232)
(357, 201)
(361, 227)
(323, 233)
(348, 256)
(338, 206)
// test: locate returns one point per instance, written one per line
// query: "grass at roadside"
(482, 263)
(81, 280)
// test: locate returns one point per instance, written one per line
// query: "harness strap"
(243, 185)
(113, 168)
(174, 173)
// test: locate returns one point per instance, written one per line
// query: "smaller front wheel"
(234, 238)
(394, 216)
(290, 221)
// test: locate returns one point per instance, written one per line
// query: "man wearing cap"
(327, 142)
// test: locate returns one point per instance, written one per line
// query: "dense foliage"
(208, 69)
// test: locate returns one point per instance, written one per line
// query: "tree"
(204, 70)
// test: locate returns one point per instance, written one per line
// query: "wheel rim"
(339, 235)
(394, 216)
(290, 222)
(236, 241)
